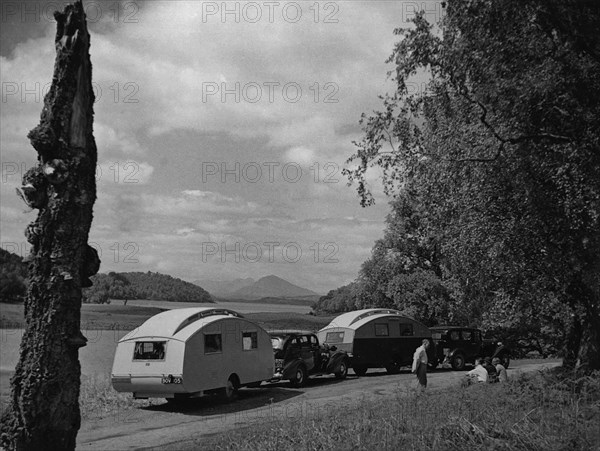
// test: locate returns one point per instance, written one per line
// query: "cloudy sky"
(222, 130)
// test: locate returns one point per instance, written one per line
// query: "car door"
(469, 345)
(307, 352)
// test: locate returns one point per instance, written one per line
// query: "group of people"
(486, 369)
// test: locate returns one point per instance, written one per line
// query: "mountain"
(224, 288)
(143, 285)
(271, 286)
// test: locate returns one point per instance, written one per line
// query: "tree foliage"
(500, 157)
(13, 277)
(140, 285)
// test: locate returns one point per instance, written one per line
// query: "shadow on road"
(247, 399)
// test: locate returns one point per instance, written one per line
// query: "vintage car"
(458, 346)
(377, 338)
(298, 354)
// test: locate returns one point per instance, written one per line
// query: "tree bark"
(44, 405)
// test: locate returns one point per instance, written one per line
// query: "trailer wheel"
(458, 362)
(299, 378)
(360, 370)
(343, 371)
(230, 391)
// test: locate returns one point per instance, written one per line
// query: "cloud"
(180, 85)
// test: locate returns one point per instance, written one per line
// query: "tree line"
(125, 286)
(143, 285)
(494, 175)
(13, 277)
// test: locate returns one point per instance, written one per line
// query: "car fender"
(335, 361)
(456, 351)
(289, 370)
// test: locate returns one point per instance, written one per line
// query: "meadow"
(547, 410)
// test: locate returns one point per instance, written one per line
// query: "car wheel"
(231, 389)
(343, 371)
(299, 378)
(360, 370)
(458, 362)
(393, 368)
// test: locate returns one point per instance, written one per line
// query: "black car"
(298, 354)
(461, 345)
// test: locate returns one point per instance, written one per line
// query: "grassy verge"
(97, 398)
(548, 410)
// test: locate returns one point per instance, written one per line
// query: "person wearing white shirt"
(479, 373)
(419, 366)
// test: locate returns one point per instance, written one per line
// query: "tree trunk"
(44, 405)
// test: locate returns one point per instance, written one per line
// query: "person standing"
(419, 366)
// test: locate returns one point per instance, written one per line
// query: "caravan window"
(212, 343)
(334, 337)
(406, 330)
(249, 340)
(381, 330)
(149, 350)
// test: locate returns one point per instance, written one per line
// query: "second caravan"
(377, 338)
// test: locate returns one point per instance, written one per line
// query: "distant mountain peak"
(270, 286)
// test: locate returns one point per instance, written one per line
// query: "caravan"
(376, 338)
(189, 352)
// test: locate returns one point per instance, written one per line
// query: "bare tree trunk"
(44, 408)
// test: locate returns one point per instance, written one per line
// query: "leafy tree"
(343, 299)
(139, 285)
(13, 277)
(502, 155)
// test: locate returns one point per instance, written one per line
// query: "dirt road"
(168, 428)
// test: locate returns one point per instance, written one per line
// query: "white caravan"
(190, 352)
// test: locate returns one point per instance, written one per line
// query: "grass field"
(128, 317)
(550, 410)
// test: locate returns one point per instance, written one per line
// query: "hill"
(224, 288)
(143, 285)
(271, 287)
